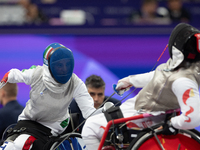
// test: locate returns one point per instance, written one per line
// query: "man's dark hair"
(95, 81)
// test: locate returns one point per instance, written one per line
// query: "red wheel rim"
(171, 142)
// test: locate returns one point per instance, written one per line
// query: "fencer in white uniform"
(53, 87)
(172, 85)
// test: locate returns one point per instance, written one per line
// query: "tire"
(185, 139)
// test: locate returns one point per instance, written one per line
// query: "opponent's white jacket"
(164, 90)
(49, 100)
(161, 91)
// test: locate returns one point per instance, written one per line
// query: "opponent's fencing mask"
(185, 39)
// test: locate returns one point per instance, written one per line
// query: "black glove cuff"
(168, 129)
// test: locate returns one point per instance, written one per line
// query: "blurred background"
(110, 38)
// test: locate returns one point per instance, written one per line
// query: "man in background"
(177, 12)
(96, 88)
(150, 13)
(11, 108)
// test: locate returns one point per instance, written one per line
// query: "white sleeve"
(17, 76)
(187, 94)
(140, 80)
(84, 100)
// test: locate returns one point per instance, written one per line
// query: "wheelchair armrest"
(74, 122)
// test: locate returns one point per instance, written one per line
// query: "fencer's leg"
(23, 141)
(91, 144)
(93, 130)
(7, 146)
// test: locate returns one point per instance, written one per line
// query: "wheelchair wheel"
(66, 141)
(65, 145)
(184, 140)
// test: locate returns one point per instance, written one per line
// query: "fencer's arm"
(17, 76)
(84, 100)
(187, 94)
(140, 80)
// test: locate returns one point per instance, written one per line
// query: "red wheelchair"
(150, 138)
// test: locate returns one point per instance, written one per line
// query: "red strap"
(191, 56)
(198, 41)
(28, 143)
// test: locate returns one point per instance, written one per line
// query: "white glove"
(107, 105)
(123, 85)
